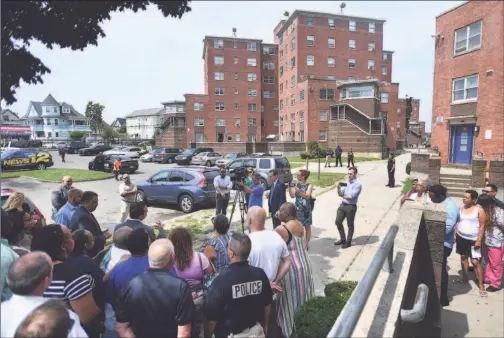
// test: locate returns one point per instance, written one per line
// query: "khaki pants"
(255, 331)
(125, 208)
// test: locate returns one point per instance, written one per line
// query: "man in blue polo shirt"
(64, 215)
(256, 191)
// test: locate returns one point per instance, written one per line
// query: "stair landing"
(456, 179)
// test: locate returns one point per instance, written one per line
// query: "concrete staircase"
(457, 181)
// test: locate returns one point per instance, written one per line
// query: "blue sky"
(146, 59)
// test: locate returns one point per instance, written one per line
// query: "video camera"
(239, 175)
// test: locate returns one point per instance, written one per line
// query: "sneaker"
(492, 289)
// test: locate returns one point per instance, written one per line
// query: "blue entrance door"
(461, 144)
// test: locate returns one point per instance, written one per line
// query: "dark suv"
(186, 157)
(165, 155)
(94, 150)
(73, 147)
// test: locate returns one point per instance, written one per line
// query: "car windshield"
(158, 151)
(231, 156)
(6, 154)
(189, 151)
(124, 158)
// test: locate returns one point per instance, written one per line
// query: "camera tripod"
(242, 204)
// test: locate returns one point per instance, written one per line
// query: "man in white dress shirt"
(223, 185)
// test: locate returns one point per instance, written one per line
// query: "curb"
(49, 181)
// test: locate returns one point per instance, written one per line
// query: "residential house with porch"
(144, 124)
(54, 120)
(11, 126)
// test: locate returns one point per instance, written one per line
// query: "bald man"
(28, 278)
(155, 303)
(60, 197)
(64, 215)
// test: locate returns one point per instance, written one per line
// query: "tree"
(77, 135)
(108, 134)
(122, 130)
(94, 114)
(67, 24)
(409, 108)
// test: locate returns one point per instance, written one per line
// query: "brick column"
(434, 169)
(496, 173)
(419, 166)
(478, 173)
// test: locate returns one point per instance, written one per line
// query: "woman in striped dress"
(297, 284)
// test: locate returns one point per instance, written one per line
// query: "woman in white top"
(421, 194)
(468, 236)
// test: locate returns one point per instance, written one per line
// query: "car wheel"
(208, 164)
(186, 203)
(264, 183)
(170, 160)
(41, 166)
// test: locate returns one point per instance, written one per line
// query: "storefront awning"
(15, 130)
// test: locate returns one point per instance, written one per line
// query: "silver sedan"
(207, 159)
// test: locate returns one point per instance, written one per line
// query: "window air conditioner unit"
(311, 76)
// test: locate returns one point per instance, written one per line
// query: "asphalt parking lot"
(108, 211)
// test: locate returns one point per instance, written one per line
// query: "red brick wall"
(391, 108)
(491, 88)
(269, 115)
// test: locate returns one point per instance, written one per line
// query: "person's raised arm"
(292, 192)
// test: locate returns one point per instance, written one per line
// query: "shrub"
(304, 155)
(76, 135)
(311, 146)
(408, 168)
(316, 317)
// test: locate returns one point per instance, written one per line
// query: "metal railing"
(349, 316)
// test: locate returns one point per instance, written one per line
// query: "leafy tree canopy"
(77, 135)
(67, 24)
(94, 114)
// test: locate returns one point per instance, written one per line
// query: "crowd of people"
(476, 228)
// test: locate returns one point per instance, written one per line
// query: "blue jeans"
(110, 334)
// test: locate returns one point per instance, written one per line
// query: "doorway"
(461, 143)
(220, 137)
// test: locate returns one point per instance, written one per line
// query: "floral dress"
(304, 213)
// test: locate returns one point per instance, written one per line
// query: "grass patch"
(326, 179)
(407, 186)
(53, 174)
(298, 159)
(316, 317)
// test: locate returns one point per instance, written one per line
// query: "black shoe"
(347, 245)
(492, 289)
(340, 242)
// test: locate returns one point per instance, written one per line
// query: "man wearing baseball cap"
(128, 192)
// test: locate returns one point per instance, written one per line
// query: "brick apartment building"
(468, 95)
(240, 103)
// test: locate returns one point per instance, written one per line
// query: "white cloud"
(147, 59)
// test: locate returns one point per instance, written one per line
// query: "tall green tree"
(108, 134)
(122, 130)
(409, 109)
(66, 24)
(94, 114)
(76, 135)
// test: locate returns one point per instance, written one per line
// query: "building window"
(371, 27)
(199, 122)
(219, 91)
(310, 60)
(326, 94)
(49, 134)
(331, 23)
(384, 97)
(219, 44)
(199, 137)
(331, 42)
(252, 122)
(236, 105)
(465, 88)
(310, 40)
(322, 135)
(351, 44)
(468, 38)
(262, 108)
(267, 94)
(219, 60)
(236, 60)
(293, 62)
(293, 99)
(281, 70)
(237, 123)
(301, 96)
(235, 75)
(351, 63)
(268, 65)
(323, 115)
(351, 26)
(275, 108)
(269, 50)
(384, 70)
(280, 39)
(268, 79)
(281, 87)
(219, 76)
(310, 21)
(236, 91)
(251, 46)
(198, 106)
(356, 92)
(219, 106)
(293, 80)
(384, 57)
(237, 137)
(331, 61)
(220, 123)
(371, 46)
(252, 62)
(275, 123)
(293, 44)
(398, 111)
(251, 77)
(370, 64)
(281, 104)
(252, 92)
(281, 54)
(301, 116)
(235, 44)
(384, 115)
(252, 107)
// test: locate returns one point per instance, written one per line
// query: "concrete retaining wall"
(496, 173)
(479, 173)
(426, 166)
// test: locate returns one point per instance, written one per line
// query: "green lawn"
(326, 179)
(56, 174)
(406, 186)
(297, 159)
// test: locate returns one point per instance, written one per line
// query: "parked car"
(208, 159)
(185, 187)
(73, 147)
(186, 157)
(263, 165)
(28, 206)
(133, 152)
(26, 144)
(222, 162)
(165, 155)
(147, 157)
(106, 163)
(94, 150)
(16, 159)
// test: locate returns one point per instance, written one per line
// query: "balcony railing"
(369, 125)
